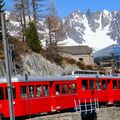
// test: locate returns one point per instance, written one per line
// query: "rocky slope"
(35, 64)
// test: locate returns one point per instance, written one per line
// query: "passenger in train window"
(46, 91)
(114, 84)
(69, 88)
(98, 85)
(57, 89)
(104, 85)
(74, 88)
(31, 91)
(83, 87)
(39, 91)
(57, 93)
(63, 89)
(84, 84)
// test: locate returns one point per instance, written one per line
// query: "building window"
(80, 59)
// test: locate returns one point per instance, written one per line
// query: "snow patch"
(68, 42)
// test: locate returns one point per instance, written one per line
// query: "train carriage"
(38, 94)
(105, 88)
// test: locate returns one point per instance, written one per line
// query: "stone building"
(79, 53)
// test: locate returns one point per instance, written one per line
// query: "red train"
(49, 94)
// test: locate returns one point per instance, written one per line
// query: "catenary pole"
(8, 76)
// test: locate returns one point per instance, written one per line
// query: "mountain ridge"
(92, 28)
(96, 29)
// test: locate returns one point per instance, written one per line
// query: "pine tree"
(32, 38)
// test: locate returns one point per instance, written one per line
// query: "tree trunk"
(34, 10)
(23, 17)
(28, 10)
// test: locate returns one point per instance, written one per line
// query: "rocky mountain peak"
(89, 28)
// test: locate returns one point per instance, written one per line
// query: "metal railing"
(86, 105)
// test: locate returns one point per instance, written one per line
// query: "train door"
(88, 88)
(53, 94)
(85, 93)
(92, 88)
(5, 106)
(101, 90)
(110, 92)
(116, 90)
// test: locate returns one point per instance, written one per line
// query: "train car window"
(74, 90)
(39, 91)
(118, 84)
(46, 90)
(84, 84)
(69, 88)
(104, 85)
(57, 89)
(98, 84)
(63, 89)
(13, 91)
(114, 84)
(31, 91)
(91, 84)
(1, 93)
(23, 93)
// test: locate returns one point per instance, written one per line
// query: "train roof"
(38, 78)
(53, 78)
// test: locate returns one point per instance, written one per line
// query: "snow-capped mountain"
(96, 29)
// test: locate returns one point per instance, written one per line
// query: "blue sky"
(65, 7)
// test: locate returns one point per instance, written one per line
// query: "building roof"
(76, 50)
(108, 52)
